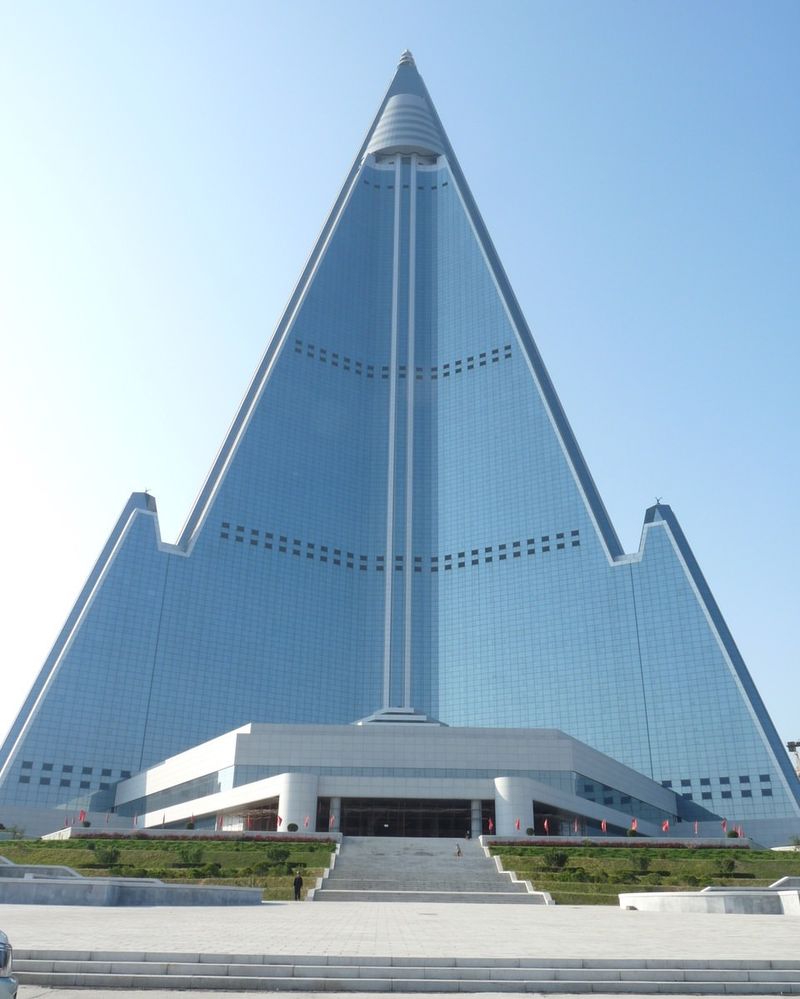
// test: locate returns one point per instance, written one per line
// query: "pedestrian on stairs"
(458, 849)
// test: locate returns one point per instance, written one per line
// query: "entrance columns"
(336, 813)
(297, 801)
(476, 817)
(513, 804)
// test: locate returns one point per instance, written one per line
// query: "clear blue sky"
(164, 171)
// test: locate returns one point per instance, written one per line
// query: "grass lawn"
(586, 875)
(270, 866)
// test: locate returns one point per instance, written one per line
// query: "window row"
(723, 781)
(381, 371)
(69, 768)
(503, 552)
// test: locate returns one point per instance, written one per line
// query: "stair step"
(377, 869)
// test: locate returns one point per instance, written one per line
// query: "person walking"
(458, 849)
(298, 886)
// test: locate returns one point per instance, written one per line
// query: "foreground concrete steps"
(402, 895)
(248, 972)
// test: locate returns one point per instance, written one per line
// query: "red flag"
(695, 827)
(547, 826)
(81, 815)
(516, 824)
(665, 825)
(108, 815)
(604, 825)
(724, 825)
(163, 819)
(332, 821)
(740, 830)
(491, 825)
(306, 820)
(575, 825)
(634, 824)
(280, 821)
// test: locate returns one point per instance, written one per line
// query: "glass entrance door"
(405, 817)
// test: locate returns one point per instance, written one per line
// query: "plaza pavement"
(395, 929)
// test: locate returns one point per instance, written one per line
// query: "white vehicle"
(8, 985)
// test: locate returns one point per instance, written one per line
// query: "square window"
(103, 787)
(686, 783)
(666, 783)
(105, 773)
(85, 784)
(64, 783)
(747, 793)
(44, 780)
(726, 794)
(25, 779)
(764, 778)
(47, 766)
(67, 768)
(86, 770)
(724, 780)
(27, 764)
(766, 792)
(744, 780)
(706, 795)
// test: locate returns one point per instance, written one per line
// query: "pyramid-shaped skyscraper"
(400, 524)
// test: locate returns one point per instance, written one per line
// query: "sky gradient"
(165, 169)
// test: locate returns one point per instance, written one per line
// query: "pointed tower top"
(407, 124)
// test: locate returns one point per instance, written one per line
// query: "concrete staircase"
(396, 869)
(251, 973)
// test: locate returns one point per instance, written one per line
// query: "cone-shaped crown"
(407, 124)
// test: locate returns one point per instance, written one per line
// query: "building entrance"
(405, 817)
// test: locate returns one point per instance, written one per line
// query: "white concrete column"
(476, 812)
(336, 812)
(513, 801)
(297, 798)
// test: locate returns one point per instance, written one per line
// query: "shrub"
(190, 854)
(277, 854)
(555, 860)
(292, 827)
(107, 856)
(725, 866)
(529, 831)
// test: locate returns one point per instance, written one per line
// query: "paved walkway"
(404, 929)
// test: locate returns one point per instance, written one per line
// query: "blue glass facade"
(400, 516)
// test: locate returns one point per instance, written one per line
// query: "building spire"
(406, 59)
